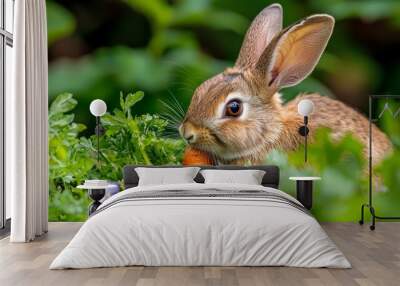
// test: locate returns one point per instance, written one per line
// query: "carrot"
(194, 156)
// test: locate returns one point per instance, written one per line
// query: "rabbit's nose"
(188, 133)
(189, 138)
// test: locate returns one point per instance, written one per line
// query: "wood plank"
(375, 257)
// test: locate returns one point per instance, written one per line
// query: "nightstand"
(96, 192)
(304, 188)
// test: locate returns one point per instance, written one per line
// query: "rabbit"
(238, 116)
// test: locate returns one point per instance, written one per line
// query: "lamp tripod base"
(374, 216)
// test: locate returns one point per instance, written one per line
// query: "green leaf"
(122, 101)
(75, 129)
(220, 20)
(60, 22)
(132, 67)
(86, 143)
(158, 11)
(76, 76)
(62, 103)
(109, 119)
(366, 10)
(60, 120)
(132, 98)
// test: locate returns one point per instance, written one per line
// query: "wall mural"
(201, 104)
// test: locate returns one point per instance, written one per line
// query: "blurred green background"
(167, 48)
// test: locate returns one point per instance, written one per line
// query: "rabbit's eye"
(234, 108)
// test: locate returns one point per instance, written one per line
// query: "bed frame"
(270, 179)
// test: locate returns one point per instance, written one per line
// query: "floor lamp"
(305, 108)
(98, 108)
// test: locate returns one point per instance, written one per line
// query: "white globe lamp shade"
(305, 107)
(98, 107)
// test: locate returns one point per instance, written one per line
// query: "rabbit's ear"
(263, 29)
(293, 54)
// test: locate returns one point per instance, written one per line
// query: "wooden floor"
(375, 257)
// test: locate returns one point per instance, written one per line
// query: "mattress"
(201, 225)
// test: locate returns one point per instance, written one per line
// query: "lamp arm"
(305, 146)
(303, 131)
(305, 138)
(98, 139)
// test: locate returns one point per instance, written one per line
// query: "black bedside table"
(96, 193)
(304, 188)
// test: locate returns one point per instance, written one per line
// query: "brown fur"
(341, 119)
(269, 60)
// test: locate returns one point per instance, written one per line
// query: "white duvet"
(200, 231)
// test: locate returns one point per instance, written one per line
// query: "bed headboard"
(270, 179)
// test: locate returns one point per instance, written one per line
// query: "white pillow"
(166, 176)
(248, 177)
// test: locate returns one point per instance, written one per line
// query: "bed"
(198, 224)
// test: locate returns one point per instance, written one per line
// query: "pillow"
(166, 176)
(248, 177)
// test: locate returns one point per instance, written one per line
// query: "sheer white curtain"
(26, 124)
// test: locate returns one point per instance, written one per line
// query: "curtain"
(26, 124)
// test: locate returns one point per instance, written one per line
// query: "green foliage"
(128, 140)
(173, 59)
(389, 171)
(389, 123)
(60, 22)
(67, 162)
(370, 10)
(188, 13)
(186, 42)
(134, 140)
(343, 169)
